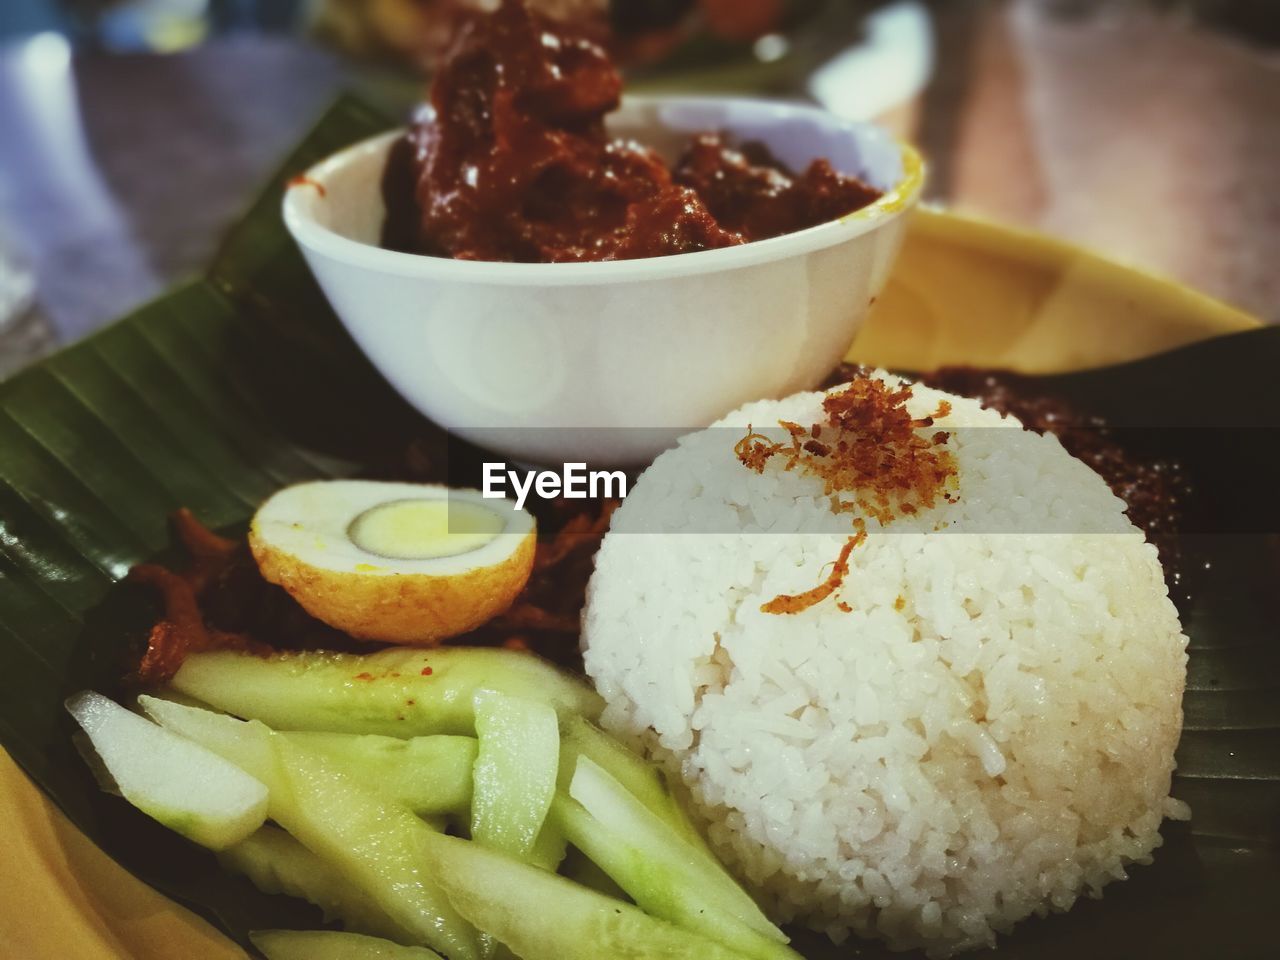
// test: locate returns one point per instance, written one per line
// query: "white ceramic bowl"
(607, 362)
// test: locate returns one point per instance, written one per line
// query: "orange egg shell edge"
(410, 608)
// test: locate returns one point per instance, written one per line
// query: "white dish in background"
(607, 362)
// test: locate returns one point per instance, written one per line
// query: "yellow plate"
(967, 292)
(963, 292)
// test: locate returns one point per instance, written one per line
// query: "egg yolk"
(424, 529)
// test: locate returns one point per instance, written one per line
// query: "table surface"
(1132, 132)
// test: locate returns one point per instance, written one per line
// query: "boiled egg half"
(398, 562)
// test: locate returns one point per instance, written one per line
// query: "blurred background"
(132, 132)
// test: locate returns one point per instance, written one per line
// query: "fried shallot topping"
(797, 602)
(873, 458)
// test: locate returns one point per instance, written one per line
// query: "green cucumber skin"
(581, 869)
(197, 829)
(581, 737)
(429, 775)
(331, 945)
(658, 889)
(648, 785)
(179, 784)
(550, 848)
(543, 916)
(384, 693)
(515, 772)
(305, 692)
(376, 843)
(276, 863)
(179, 821)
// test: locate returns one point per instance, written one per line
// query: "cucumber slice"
(429, 775)
(377, 844)
(274, 862)
(515, 771)
(400, 692)
(542, 916)
(171, 779)
(581, 869)
(330, 945)
(580, 737)
(663, 873)
(648, 785)
(550, 847)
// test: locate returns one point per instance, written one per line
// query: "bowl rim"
(301, 197)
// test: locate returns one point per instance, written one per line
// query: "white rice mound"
(927, 770)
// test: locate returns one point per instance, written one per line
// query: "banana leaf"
(243, 380)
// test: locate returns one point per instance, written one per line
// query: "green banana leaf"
(242, 381)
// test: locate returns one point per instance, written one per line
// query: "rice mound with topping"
(986, 733)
